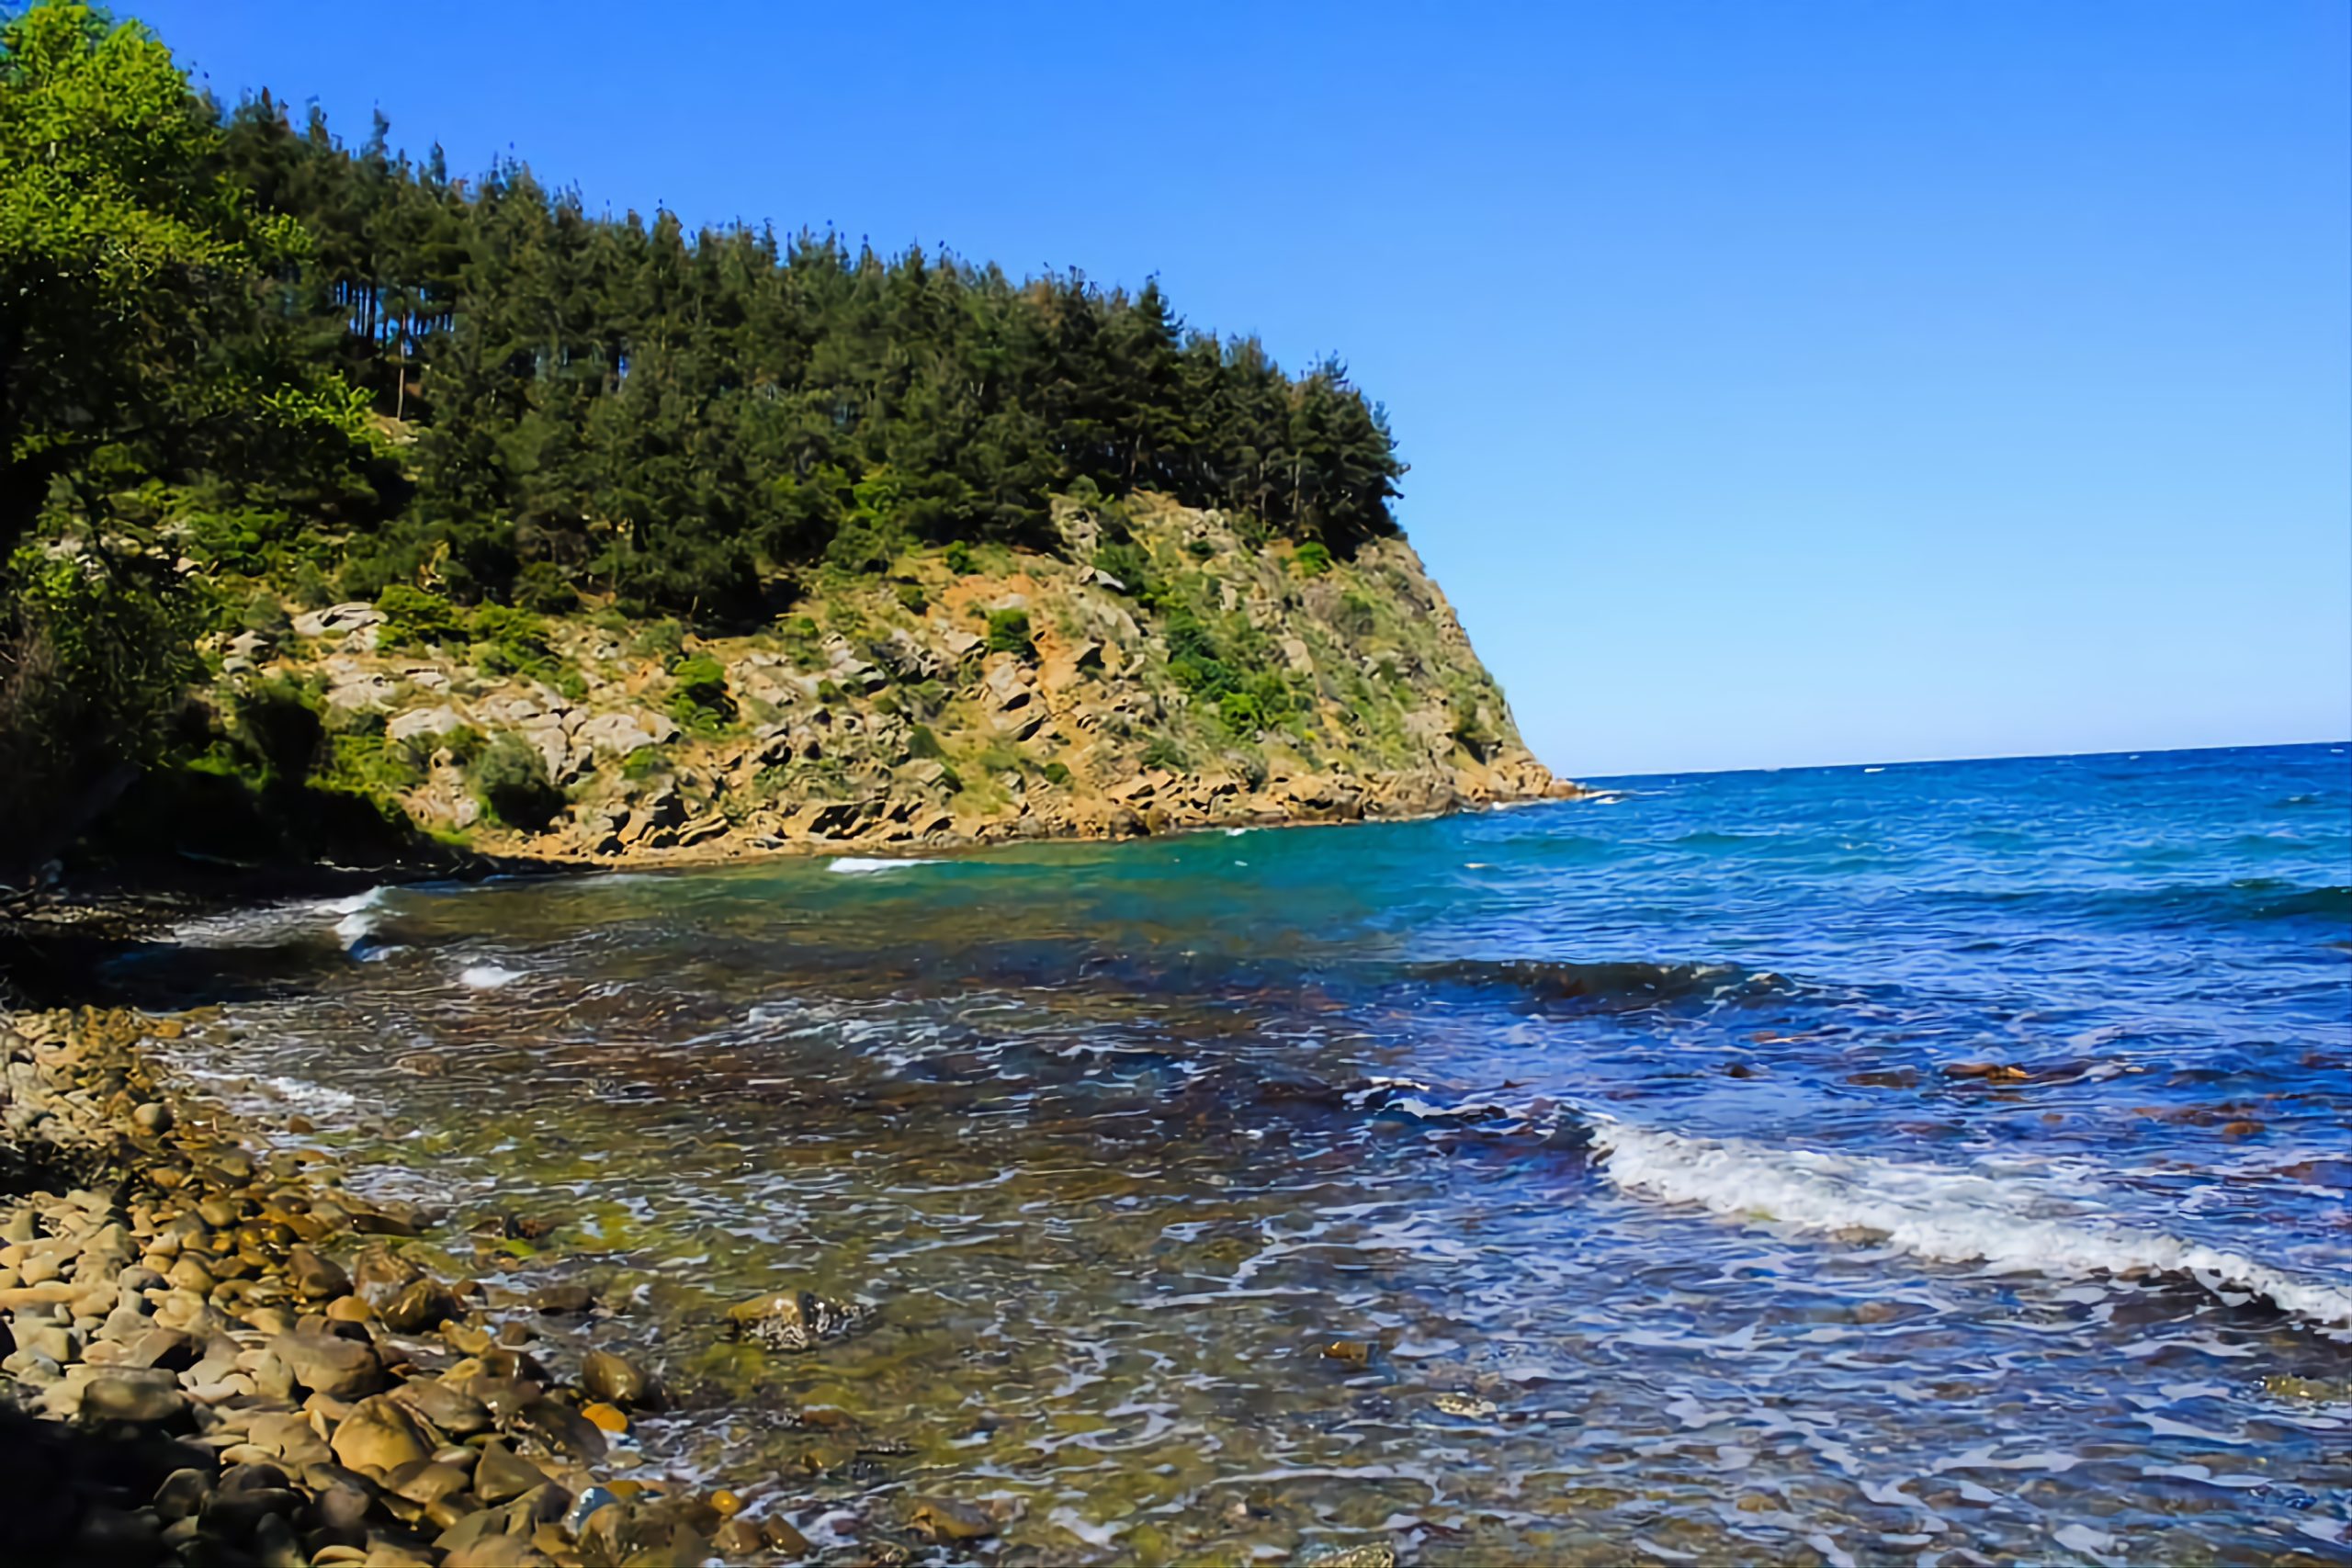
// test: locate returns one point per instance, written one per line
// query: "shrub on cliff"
(512, 642)
(1009, 633)
(699, 696)
(511, 780)
(413, 618)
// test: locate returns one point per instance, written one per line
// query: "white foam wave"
(1950, 1215)
(354, 917)
(869, 865)
(488, 976)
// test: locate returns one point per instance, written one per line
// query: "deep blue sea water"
(1936, 1163)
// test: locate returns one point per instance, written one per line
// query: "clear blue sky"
(1783, 383)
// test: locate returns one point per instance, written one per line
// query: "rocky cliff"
(1188, 674)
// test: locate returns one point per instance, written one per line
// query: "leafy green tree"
(129, 266)
(127, 257)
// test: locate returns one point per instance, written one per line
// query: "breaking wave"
(1947, 1216)
(353, 917)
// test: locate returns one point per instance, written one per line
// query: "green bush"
(464, 744)
(266, 617)
(310, 587)
(1161, 752)
(958, 556)
(1056, 773)
(540, 586)
(699, 696)
(513, 642)
(911, 597)
(861, 545)
(1241, 712)
(1312, 558)
(511, 779)
(922, 742)
(925, 697)
(1009, 633)
(1199, 549)
(278, 724)
(413, 618)
(1126, 561)
(367, 762)
(664, 640)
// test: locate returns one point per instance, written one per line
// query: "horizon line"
(2339, 744)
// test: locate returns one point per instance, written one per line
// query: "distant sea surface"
(1940, 1163)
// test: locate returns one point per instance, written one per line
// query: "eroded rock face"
(621, 733)
(338, 620)
(1245, 687)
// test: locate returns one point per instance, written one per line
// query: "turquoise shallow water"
(1939, 1163)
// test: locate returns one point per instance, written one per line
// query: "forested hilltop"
(253, 373)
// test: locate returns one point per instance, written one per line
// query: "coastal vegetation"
(252, 373)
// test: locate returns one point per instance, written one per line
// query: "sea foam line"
(871, 865)
(1951, 1216)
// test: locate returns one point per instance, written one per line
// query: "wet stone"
(421, 1304)
(500, 1476)
(616, 1380)
(183, 1494)
(316, 1276)
(564, 1299)
(798, 1320)
(941, 1518)
(425, 1482)
(458, 1414)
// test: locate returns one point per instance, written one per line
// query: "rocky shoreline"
(218, 1353)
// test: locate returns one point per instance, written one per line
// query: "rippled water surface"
(1936, 1163)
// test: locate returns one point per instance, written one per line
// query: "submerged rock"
(798, 1320)
(941, 1518)
(618, 1380)
(1369, 1555)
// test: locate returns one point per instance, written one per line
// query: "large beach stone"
(451, 1410)
(501, 1476)
(330, 1364)
(378, 1438)
(147, 1400)
(316, 1276)
(421, 1304)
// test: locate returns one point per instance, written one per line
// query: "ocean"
(1935, 1163)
